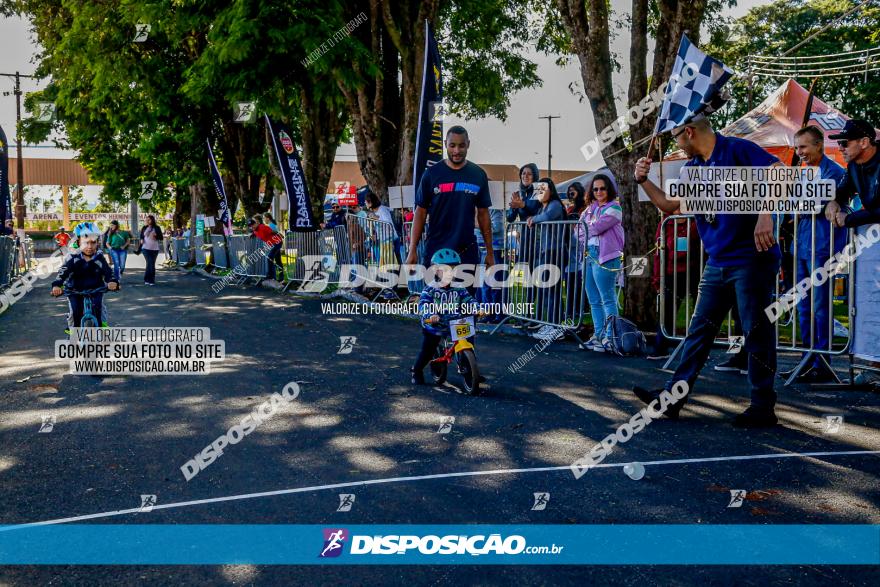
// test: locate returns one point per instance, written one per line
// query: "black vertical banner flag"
(5, 198)
(225, 215)
(429, 136)
(299, 205)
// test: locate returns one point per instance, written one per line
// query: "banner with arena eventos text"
(299, 204)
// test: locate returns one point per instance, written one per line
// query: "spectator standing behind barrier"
(269, 221)
(549, 246)
(273, 240)
(337, 216)
(858, 143)
(117, 242)
(676, 285)
(574, 263)
(488, 294)
(604, 220)
(814, 312)
(451, 191)
(742, 268)
(151, 238)
(62, 239)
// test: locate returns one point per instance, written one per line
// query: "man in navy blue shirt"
(451, 192)
(741, 269)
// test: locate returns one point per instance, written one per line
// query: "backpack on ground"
(624, 338)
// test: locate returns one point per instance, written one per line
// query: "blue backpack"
(625, 339)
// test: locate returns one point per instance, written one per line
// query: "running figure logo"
(736, 344)
(638, 267)
(446, 425)
(346, 500)
(736, 498)
(316, 276)
(48, 424)
(833, 423)
(541, 501)
(333, 542)
(141, 32)
(147, 503)
(346, 345)
(244, 112)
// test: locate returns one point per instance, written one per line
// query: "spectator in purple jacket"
(604, 248)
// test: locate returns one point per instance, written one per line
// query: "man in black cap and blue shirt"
(741, 270)
(858, 143)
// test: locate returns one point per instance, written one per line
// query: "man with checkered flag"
(743, 255)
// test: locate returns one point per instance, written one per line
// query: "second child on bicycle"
(84, 269)
(436, 307)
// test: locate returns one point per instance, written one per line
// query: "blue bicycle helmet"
(445, 257)
(84, 228)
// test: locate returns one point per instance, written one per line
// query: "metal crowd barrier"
(680, 277)
(7, 258)
(219, 251)
(201, 253)
(180, 250)
(533, 255)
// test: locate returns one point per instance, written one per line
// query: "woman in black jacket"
(151, 244)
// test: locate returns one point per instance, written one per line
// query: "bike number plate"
(462, 328)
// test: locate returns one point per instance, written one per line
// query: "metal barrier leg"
(673, 356)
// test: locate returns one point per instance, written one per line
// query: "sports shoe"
(593, 345)
(648, 396)
(416, 377)
(546, 332)
(733, 365)
(815, 375)
(754, 418)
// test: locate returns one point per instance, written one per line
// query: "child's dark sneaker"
(417, 377)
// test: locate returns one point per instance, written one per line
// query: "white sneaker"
(593, 345)
(544, 333)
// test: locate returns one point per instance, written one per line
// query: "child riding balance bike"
(83, 277)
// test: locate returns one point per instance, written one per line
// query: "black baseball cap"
(251, 221)
(855, 128)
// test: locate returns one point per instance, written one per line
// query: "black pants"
(77, 309)
(426, 353)
(273, 262)
(150, 273)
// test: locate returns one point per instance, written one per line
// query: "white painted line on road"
(181, 504)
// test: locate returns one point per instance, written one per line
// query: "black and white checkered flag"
(695, 87)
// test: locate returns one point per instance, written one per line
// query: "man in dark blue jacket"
(814, 247)
(858, 143)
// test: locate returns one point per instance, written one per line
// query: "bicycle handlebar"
(86, 292)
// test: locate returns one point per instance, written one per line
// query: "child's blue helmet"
(445, 257)
(84, 228)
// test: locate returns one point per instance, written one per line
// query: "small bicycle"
(456, 345)
(89, 320)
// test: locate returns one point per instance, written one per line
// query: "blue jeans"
(815, 306)
(599, 283)
(750, 288)
(119, 257)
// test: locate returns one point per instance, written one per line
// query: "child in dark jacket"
(437, 306)
(84, 269)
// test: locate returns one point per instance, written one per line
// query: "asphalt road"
(357, 418)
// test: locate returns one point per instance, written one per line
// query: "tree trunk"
(587, 25)
(384, 112)
(322, 124)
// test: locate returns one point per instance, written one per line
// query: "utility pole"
(549, 144)
(19, 164)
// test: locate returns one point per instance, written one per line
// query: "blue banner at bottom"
(148, 544)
